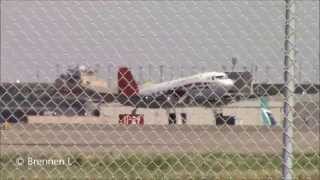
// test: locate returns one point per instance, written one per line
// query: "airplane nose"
(228, 83)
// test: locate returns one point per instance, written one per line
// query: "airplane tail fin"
(266, 115)
(126, 83)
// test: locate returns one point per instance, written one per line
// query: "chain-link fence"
(159, 89)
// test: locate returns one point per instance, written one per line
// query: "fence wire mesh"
(159, 89)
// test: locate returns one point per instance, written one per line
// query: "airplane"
(64, 97)
(209, 89)
(70, 96)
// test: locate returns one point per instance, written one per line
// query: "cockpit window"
(220, 77)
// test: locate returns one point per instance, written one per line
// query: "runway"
(100, 138)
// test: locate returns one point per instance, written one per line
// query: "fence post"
(289, 63)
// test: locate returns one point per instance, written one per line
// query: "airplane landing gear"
(221, 119)
(215, 112)
(184, 118)
(172, 117)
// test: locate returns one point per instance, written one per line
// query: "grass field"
(161, 166)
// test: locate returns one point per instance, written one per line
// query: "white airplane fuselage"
(216, 81)
(204, 89)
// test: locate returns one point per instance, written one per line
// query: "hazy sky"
(187, 37)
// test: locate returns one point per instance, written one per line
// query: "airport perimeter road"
(151, 138)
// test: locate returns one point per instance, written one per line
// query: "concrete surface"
(95, 138)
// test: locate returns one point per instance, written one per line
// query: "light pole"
(161, 69)
(150, 69)
(141, 74)
(234, 62)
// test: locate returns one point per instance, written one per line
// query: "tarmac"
(101, 138)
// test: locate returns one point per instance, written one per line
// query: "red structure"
(127, 119)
